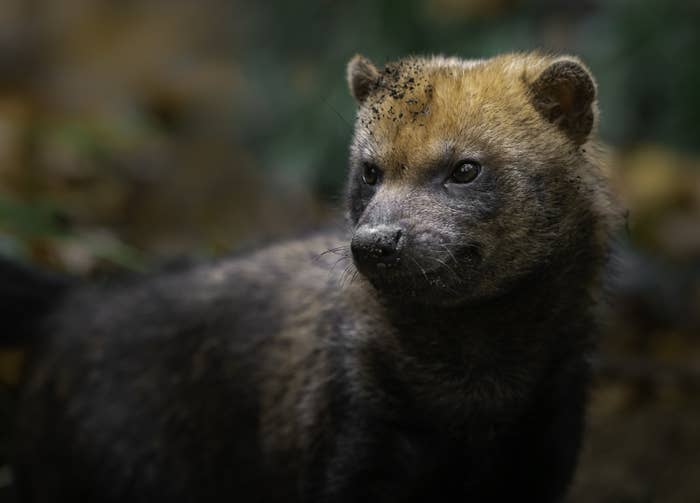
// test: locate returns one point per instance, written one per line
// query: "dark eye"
(465, 172)
(370, 174)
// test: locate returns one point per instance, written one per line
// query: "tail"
(26, 297)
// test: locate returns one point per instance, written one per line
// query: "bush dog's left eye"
(465, 172)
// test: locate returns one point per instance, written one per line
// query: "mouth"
(407, 278)
(428, 278)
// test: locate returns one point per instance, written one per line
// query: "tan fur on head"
(417, 105)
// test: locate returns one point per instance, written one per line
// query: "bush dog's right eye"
(370, 174)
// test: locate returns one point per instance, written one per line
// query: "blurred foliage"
(167, 122)
(293, 57)
(135, 130)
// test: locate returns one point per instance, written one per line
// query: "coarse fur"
(458, 373)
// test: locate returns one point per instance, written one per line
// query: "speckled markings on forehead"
(405, 87)
(420, 108)
(407, 120)
(403, 91)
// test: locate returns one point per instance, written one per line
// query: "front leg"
(539, 461)
(363, 461)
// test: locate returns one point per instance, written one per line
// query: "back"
(152, 388)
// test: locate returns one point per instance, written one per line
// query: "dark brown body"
(259, 379)
(453, 367)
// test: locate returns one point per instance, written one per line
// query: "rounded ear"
(362, 77)
(564, 94)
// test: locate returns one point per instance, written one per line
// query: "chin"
(427, 288)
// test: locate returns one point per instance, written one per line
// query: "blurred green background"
(135, 131)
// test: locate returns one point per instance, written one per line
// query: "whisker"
(456, 276)
(346, 273)
(421, 268)
(447, 249)
(444, 264)
(336, 251)
(337, 262)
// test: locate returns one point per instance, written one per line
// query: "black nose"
(378, 245)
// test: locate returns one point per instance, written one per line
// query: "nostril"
(397, 236)
(387, 242)
(378, 244)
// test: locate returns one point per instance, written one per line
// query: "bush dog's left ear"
(564, 93)
(362, 77)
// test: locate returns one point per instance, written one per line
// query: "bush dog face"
(467, 175)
